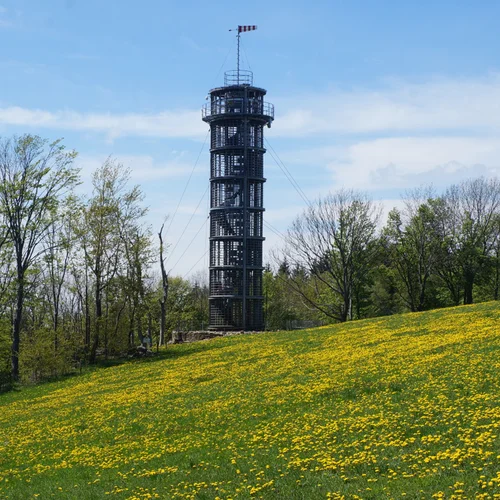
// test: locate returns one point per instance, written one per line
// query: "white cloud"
(181, 123)
(441, 104)
(398, 107)
(411, 161)
(143, 168)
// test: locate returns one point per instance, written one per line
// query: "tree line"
(343, 262)
(83, 277)
(78, 275)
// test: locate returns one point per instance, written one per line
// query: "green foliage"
(76, 273)
(187, 305)
(384, 299)
(280, 307)
(40, 360)
(5, 344)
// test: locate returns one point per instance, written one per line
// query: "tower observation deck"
(237, 114)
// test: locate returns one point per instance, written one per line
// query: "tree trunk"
(139, 328)
(497, 277)
(421, 298)
(150, 329)
(468, 288)
(346, 307)
(16, 328)
(163, 315)
(163, 300)
(98, 314)
(131, 340)
(56, 324)
(87, 313)
(106, 330)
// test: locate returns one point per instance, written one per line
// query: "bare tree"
(333, 240)
(164, 283)
(468, 231)
(480, 203)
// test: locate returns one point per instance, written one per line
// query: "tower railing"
(241, 77)
(237, 106)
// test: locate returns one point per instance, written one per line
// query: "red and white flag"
(242, 29)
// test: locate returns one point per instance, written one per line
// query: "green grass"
(399, 407)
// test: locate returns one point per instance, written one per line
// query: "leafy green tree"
(280, 306)
(447, 233)
(179, 304)
(412, 248)
(59, 245)
(199, 299)
(138, 255)
(109, 219)
(35, 176)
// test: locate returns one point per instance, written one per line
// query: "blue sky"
(380, 95)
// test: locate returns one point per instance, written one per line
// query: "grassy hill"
(405, 406)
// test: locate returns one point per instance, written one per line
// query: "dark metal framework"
(237, 115)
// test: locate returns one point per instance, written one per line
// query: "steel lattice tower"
(237, 115)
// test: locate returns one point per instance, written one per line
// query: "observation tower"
(237, 114)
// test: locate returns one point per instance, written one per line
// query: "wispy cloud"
(441, 104)
(402, 162)
(143, 168)
(404, 135)
(400, 107)
(181, 123)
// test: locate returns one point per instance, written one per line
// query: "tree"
(199, 297)
(59, 246)
(467, 227)
(280, 306)
(492, 267)
(164, 285)
(479, 203)
(410, 242)
(109, 217)
(334, 241)
(179, 304)
(447, 233)
(35, 175)
(138, 255)
(6, 262)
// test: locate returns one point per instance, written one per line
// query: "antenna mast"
(238, 57)
(241, 29)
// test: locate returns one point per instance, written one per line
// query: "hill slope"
(376, 408)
